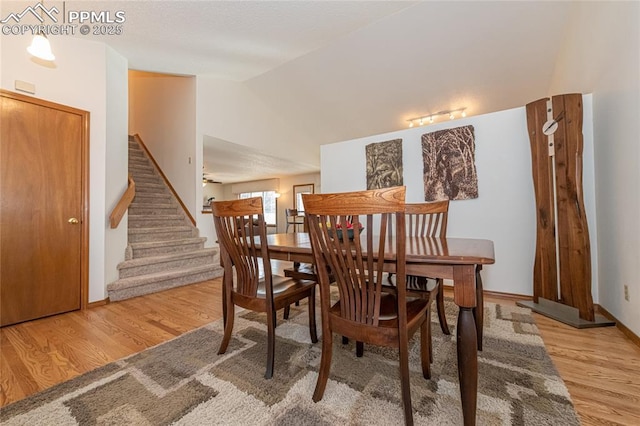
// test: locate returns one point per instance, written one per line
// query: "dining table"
(456, 259)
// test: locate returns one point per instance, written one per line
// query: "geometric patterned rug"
(185, 382)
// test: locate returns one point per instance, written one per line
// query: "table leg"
(464, 289)
(478, 311)
(467, 364)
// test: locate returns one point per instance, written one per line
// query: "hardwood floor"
(38, 354)
(600, 366)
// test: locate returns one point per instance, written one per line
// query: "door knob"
(73, 221)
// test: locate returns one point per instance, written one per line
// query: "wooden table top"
(453, 251)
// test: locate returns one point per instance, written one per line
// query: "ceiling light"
(41, 48)
(431, 117)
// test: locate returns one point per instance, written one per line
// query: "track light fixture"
(431, 117)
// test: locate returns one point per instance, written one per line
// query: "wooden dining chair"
(248, 279)
(362, 311)
(292, 219)
(426, 220)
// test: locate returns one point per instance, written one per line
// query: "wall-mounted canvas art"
(384, 164)
(449, 164)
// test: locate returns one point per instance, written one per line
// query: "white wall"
(230, 111)
(79, 79)
(602, 54)
(504, 212)
(162, 110)
(116, 159)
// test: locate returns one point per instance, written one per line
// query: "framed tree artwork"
(384, 164)
(449, 164)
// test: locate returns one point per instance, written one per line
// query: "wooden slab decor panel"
(563, 255)
(545, 275)
(573, 234)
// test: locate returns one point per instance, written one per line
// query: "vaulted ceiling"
(340, 70)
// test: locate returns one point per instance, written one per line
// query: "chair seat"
(388, 314)
(280, 285)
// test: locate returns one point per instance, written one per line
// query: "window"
(268, 203)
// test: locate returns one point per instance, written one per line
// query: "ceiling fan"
(206, 180)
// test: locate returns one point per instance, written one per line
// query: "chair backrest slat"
(357, 264)
(240, 226)
(427, 219)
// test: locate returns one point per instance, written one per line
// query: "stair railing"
(123, 205)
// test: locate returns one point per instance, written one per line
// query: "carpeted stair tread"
(126, 288)
(152, 197)
(150, 185)
(173, 273)
(161, 233)
(167, 262)
(138, 160)
(146, 170)
(156, 220)
(152, 244)
(149, 204)
(156, 248)
(157, 230)
(157, 216)
(150, 209)
(167, 257)
(141, 169)
(146, 178)
(139, 164)
(142, 174)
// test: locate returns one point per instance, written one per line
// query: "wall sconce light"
(431, 117)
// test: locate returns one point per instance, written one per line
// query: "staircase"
(165, 249)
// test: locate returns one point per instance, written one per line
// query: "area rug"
(185, 382)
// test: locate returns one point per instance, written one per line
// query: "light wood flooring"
(601, 367)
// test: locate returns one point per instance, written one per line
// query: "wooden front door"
(43, 208)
